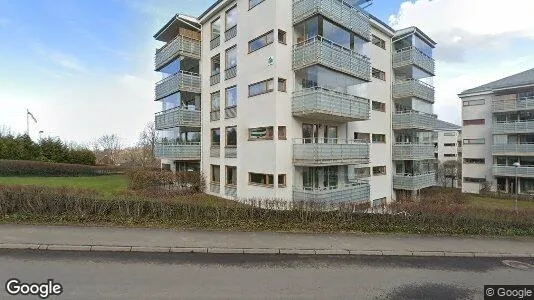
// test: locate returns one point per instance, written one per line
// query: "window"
(336, 34)
(216, 137)
(260, 133)
(282, 133)
(216, 28)
(231, 57)
(379, 171)
(474, 180)
(282, 85)
(449, 144)
(231, 176)
(379, 138)
(362, 136)
(474, 102)
(379, 202)
(474, 122)
(261, 179)
(449, 155)
(362, 172)
(166, 167)
(261, 42)
(231, 18)
(215, 101)
(231, 97)
(474, 141)
(475, 161)
(379, 106)
(259, 88)
(378, 42)
(215, 174)
(253, 3)
(231, 136)
(379, 74)
(282, 180)
(282, 37)
(449, 134)
(216, 65)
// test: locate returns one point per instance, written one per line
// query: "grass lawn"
(492, 203)
(107, 185)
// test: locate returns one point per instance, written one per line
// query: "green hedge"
(37, 168)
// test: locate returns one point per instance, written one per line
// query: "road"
(86, 275)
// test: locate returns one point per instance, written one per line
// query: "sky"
(84, 68)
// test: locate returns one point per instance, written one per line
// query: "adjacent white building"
(498, 135)
(297, 100)
(447, 142)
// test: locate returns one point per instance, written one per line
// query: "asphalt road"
(209, 276)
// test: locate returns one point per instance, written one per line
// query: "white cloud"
(62, 59)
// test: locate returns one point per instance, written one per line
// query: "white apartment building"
(498, 135)
(305, 100)
(447, 141)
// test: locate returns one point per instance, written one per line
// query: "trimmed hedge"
(47, 205)
(22, 168)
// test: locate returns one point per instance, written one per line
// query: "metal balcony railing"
(230, 191)
(513, 149)
(180, 46)
(513, 171)
(182, 81)
(230, 112)
(215, 151)
(358, 191)
(326, 151)
(215, 79)
(323, 104)
(215, 42)
(513, 127)
(413, 88)
(230, 152)
(411, 182)
(215, 115)
(338, 11)
(409, 151)
(230, 33)
(513, 104)
(413, 56)
(230, 73)
(177, 117)
(215, 187)
(414, 120)
(320, 51)
(185, 151)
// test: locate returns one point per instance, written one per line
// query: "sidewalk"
(156, 240)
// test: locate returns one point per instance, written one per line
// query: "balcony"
(513, 149)
(180, 46)
(414, 120)
(320, 51)
(320, 104)
(413, 56)
(230, 73)
(352, 192)
(409, 151)
(190, 151)
(179, 82)
(504, 104)
(324, 152)
(177, 117)
(413, 88)
(215, 79)
(413, 182)
(512, 171)
(336, 10)
(230, 152)
(513, 127)
(230, 33)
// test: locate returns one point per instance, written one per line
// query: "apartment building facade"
(309, 100)
(498, 135)
(447, 142)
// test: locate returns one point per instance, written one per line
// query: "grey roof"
(399, 34)
(446, 126)
(519, 79)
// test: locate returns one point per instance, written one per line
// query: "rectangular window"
(379, 171)
(231, 57)
(449, 134)
(215, 101)
(231, 136)
(216, 28)
(261, 41)
(282, 135)
(282, 182)
(474, 102)
(215, 174)
(216, 65)
(261, 179)
(259, 88)
(282, 85)
(282, 37)
(362, 172)
(336, 34)
(474, 141)
(231, 97)
(378, 42)
(253, 3)
(474, 180)
(379, 106)
(362, 136)
(379, 202)
(474, 122)
(449, 155)
(378, 74)
(260, 133)
(475, 161)
(215, 137)
(231, 176)
(231, 17)
(379, 138)
(449, 144)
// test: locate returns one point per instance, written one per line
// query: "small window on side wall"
(282, 85)
(282, 37)
(282, 180)
(282, 133)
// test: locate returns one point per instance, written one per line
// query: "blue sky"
(85, 67)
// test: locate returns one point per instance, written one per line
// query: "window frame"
(268, 178)
(212, 131)
(380, 41)
(226, 136)
(267, 137)
(469, 141)
(226, 97)
(211, 29)
(213, 174)
(380, 141)
(380, 173)
(226, 27)
(284, 34)
(284, 180)
(226, 64)
(473, 180)
(382, 107)
(467, 102)
(258, 3)
(474, 161)
(266, 85)
(227, 168)
(284, 82)
(267, 43)
(382, 74)
(211, 101)
(472, 122)
(284, 130)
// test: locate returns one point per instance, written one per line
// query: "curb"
(284, 251)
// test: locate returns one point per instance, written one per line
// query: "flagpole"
(27, 122)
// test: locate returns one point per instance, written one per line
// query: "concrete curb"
(214, 250)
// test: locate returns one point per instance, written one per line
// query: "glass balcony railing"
(513, 127)
(177, 117)
(513, 149)
(323, 104)
(512, 103)
(179, 82)
(413, 88)
(414, 120)
(409, 151)
(180, 46)
(412, 182)
(351, 192)
(185, 151)
(320, 51)
(413, 56)
(322, 151)
(513, 171)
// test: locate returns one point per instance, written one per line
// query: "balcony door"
(310, 133)
(330, 134)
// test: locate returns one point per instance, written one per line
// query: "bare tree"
(110, 145)
(147, 144)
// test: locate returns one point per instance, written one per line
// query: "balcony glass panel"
(177, 117)
(180, 46)
(410, 151)
(330, 151)
(413, 56)
(413, 88)
(358, 191)
(413, 182)
(414, 120)
(513, 127)
(181, 81)
(184, 151)
(512, 171)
